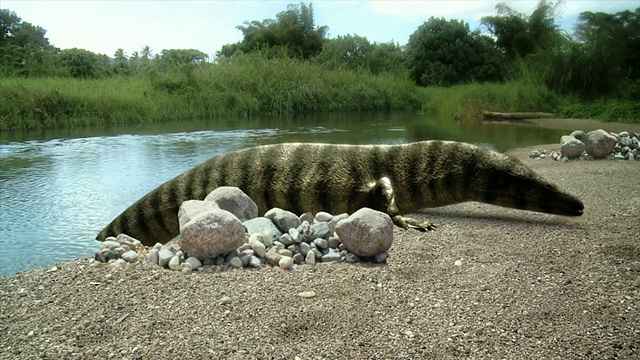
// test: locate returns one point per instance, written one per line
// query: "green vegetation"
(287, 66)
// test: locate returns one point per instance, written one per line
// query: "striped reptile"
(396, 179)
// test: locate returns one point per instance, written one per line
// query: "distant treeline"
(288, 65)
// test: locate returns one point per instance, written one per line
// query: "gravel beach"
(489, 283)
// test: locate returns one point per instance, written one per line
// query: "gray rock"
(211, 261)
(105, 255)
(265, 238)
(599, 143)
(310, 258)
(273, 258)
(261, 225)
(153, 257)
(308, 217)
(212, 234)
(619, 157)
(259, 248)
(194, 262)
(191, 209)
(174, 263)
(255, 262)
(286, 239)
(382, 257)
(579, 134)
(366, 232)
(285, 252)
(130, 256)
(351, 258)
(235, 201)
(305, 231)
(235, 262)
(321, 230)
(572, 148)
(305, 248)
(131, 242)
(566, 138)
(164, 255)
(298, 259)
(321, 243)
(334, 242)
(245, 258)
(295, 236)
(283, 219)
(110, 244)
(323, 216)
(331, 256)
(295, 249)
(335, 220)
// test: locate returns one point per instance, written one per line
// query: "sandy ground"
(530, 286)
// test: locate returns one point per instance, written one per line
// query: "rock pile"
(597, 144)
(211, 234)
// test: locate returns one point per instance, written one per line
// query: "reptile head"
(507, 182)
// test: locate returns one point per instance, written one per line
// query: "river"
(59, 188)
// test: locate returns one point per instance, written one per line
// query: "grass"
(254, 84)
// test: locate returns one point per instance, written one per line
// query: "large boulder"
(366, 232)
(191, 209)
(235, 201)
(599, 143)
(572, 148)
(211, 234)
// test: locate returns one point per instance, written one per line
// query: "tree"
(80, 63)
(182, 56)
(355, 52)
(605, 59)
(519, 35)
(293, 30)
(445, 53)
(24, 49)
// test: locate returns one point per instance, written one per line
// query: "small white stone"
(194, 262)
(458, 263)
(310, 258)
(130, 256)
(174, 263)
(259, 248)
(286, 262)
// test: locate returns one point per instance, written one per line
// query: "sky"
(105, 26)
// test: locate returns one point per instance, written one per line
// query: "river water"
(59, 188)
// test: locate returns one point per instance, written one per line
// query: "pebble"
(174, 263)
(225, 300)
(623, 146)
(286, 262)
(130, 256)
(307, 294)
(311, 240)
(458, 263)
(153, 256)
(331, 256)
(194, 262)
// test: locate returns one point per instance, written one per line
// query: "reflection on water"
(59, 188)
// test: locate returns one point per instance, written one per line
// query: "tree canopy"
(444, 52)
(293, 31)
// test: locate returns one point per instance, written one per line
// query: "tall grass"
(256, 84)
(468, 101)
(244, 86)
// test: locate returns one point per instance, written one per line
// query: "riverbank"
(528, 285)
(254, 85)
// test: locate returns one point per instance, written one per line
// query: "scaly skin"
(396, 179)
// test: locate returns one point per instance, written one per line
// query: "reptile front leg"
(384, 200)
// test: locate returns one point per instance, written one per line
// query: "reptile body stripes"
(305, 177)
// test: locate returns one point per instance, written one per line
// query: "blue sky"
(105, 26)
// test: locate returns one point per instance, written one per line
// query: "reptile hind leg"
(385, 201)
